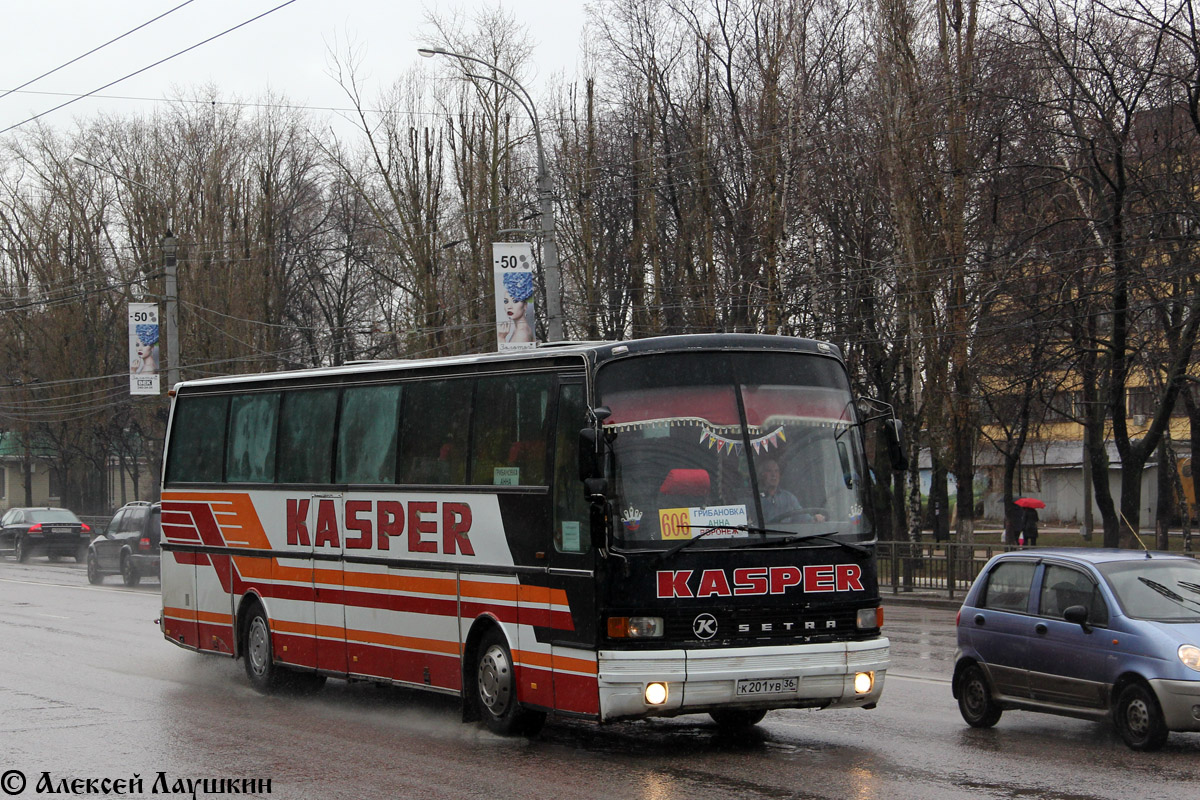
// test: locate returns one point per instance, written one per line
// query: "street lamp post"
(169, 249)
(545, 185)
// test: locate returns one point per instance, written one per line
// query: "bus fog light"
(656, 694)
(863, 681)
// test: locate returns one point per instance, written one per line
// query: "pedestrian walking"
(1029, 527)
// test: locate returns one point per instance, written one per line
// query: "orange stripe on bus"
(575, 665)
(480, 590)
(531, 658)
(405, 642)
(334, 633)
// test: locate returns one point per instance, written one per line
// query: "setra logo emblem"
(704, 626)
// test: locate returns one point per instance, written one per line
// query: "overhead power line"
(149, 66)
(95, 49)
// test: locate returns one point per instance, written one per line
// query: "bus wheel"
(260, 658)
(496, 690)
(736, 719)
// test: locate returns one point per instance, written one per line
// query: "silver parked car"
(1088, 633)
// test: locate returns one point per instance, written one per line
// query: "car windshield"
(1165, 590)
(741, 446)
(52, 515)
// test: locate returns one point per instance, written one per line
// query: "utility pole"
(171, 291)
(545, 184)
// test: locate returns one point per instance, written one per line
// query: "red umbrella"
(1029, 502)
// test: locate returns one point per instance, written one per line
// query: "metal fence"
(948, 568)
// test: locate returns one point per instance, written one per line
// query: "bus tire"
(496, 690)
(259, 653)
(737, 719)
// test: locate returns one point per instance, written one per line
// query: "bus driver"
(778, 504)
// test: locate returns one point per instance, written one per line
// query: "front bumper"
(699, 681)
(1180, 703)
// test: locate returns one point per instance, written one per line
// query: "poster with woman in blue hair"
(513, 267)
(143, 348)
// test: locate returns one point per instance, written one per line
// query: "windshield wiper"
(686, 543)
(800, 537)
(828, 537)
(1166, 592)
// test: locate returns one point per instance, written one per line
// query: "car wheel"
(1139, 719)
(81, 555)
(496, 690)
(975, 701)
(95, 576)
(736, 719)
(129, 572)
(22, 550)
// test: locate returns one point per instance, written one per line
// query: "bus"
(607, 531)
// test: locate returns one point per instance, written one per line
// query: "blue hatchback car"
(1088, 633)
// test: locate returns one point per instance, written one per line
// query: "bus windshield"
(704, 449)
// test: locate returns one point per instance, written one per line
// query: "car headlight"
(1189, 654)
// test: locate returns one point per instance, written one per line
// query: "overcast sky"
(285, 51)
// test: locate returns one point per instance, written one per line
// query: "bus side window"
(434, 422)
(250, 457)
(197, 452)
(366, 443)
(306, 436)
(510, 430)
(571, 509)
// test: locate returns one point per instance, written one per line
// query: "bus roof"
(590, 352)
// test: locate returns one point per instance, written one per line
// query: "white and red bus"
(607, 531)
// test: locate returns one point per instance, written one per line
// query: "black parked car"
(52, 532)
(128, 546)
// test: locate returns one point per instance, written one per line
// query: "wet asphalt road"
(89, 689)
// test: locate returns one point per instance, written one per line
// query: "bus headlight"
(635, 627)
(870, 618)
(656, 694)
(1189, 654)
(863, 681)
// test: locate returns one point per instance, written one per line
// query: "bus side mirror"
(589, 456)
(894, 432)
(591, 466)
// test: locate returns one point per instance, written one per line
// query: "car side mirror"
(1077, 615)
